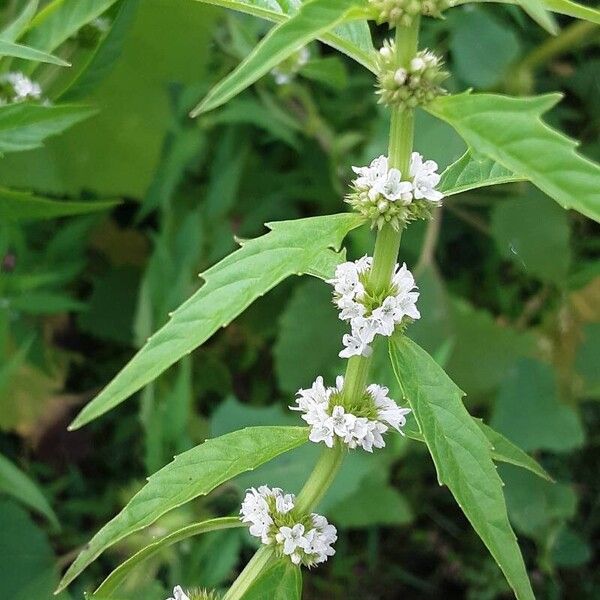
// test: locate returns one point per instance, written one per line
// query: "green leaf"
(537, 11)
(573, 9)
(482, 47)
(13, 31)
(530, 412)
(316, 339)
(15, 483)
(461, 454)
(511, 132)
(535, 235)
(472, 171)
(503, 450)
(353, 39)
(28, 53)
(60, 19)
(25, 206)
(107, 588)
(280, 581)
(292, 247)
(191, 474)
(314, 18)
(25, 126)
(105, 55)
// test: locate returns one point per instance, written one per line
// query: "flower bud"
(403, 12)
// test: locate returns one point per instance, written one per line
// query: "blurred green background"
(510, 300)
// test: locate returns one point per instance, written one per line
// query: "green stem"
(385, 256)
(321, 478)
(251, 571)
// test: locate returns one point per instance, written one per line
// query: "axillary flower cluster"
(306, 538)
(17, 87)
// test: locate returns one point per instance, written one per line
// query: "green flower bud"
(403, 12)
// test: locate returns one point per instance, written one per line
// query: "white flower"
(386, 316)
(23, 88)
(259, 507)
(179, 594)
(393, 188)
(355, 430)
(357, 343)
(291, 539)
(349, 308)
(425, 178)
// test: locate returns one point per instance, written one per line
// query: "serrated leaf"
(18, 485)
(25, 206)
(13, 31)
(353, 39)
(26, 52)
(191, 474)
(25, 126)
(280, 581)
(292, 247)
(107, 588)
(511, 132)
(461, 454)
(472, 171)
(503, 450)
(314, 18)
(60, 19)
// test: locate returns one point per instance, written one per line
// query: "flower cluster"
(306, 539)
(416, 85)
(357, 424)
(179, 594)
(380, 194)
(403, 12)
(371, 313)
(285, 71)
(16, 87)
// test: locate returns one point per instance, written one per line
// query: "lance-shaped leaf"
(292, 247)
(573, 9)
(18, 485)
(314, 18)
(25, 206)
(472, 171)
(60, 19)
(25, 126)
(28, 53)
(353, 39)
(191, 474)
(502, 449)
(116, 578)
(537, 11)
(12, 32)
(280, 581)
(510, 131)
(461, 454)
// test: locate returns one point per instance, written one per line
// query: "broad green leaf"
(105, 55)
(473, 171)
(18, 485)
(191, 474)
(530, 412)
(13, 31)
(535, 235)
(60, 19)
(280, 581)
(107, 588)
(292, 247)
(353, 39)
(482, 47)
(25, 206)
(503, 450)
(25, 126)
(461, 454)
(28, 53)
(511, 132)
(314, 18)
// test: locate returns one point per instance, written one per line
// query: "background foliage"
(510, 292)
